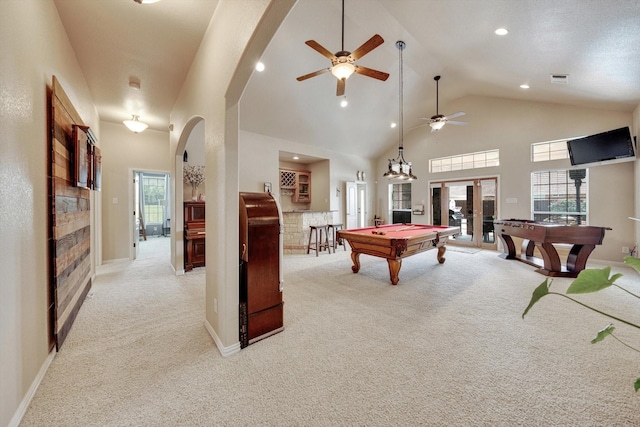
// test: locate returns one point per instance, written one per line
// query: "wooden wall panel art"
(69, 214)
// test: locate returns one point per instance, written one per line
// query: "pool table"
(396, 241)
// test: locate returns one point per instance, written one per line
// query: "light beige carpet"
(445, 347)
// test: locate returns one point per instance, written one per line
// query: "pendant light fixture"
(135, 125)
(399, 168)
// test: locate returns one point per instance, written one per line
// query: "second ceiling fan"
(342, 62)
(438, 121)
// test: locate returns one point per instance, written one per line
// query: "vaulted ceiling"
(595, 42)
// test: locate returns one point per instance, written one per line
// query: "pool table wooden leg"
(355, 257)
(441, 250)
(394, 269)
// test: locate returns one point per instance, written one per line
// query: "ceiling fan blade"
(315, 73)
(453, 122)
(319, 48)
(367, 47)
(371, 73)
(341, 87)
(454, 115)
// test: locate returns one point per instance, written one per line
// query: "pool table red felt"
(396, 241)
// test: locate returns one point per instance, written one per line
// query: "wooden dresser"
(194, 235)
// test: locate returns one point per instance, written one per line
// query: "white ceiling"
(595, 42)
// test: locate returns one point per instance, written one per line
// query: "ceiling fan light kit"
(437, 125)
(343, 70)
(399, 168)
(135, 125)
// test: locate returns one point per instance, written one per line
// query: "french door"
(469, 204)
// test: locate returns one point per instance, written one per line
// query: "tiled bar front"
(296, 229)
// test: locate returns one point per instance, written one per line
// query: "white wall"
(122, 152)
(512, 126)
(34, 47)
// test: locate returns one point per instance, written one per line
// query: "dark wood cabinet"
(261, 305)
(194, 235)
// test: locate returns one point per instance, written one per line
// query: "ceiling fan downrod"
(437, 79)
(342, 26)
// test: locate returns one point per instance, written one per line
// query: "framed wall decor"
(82, 156)
(87, 162)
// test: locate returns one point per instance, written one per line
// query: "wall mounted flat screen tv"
(603, 148)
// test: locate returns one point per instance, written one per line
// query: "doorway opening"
(469, 204)
(152, 216)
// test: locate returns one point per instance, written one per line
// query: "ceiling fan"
(438, 121)
(342, 65)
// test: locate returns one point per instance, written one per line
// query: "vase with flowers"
(194, 175)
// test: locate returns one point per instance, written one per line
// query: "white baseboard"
(26, 401)
(110, 261)
(225, 351)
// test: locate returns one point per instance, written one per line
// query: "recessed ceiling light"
(501, 31)
(344, 102)
(393, 125)
(296, 158)
(146, 1)
(524, 86)
(260, 67)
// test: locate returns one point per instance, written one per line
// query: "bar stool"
(321, 233)
(335, 242)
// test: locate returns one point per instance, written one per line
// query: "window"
(560, 196)
(154, 190)
(481, 159)
(400, 196)
(550, 150)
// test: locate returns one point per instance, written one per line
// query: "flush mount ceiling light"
(501, 31)
(399, 168)
(135, 125)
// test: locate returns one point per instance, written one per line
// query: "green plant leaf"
(637, 384)
(603, 333)
(592, 280)
(539, 292)
(632, 262)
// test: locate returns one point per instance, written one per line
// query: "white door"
(362, 205)
(352, 205)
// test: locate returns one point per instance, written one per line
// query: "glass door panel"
(470, 205)
(460, 212)
(488, 195)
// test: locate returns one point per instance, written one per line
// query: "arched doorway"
(192, 136)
